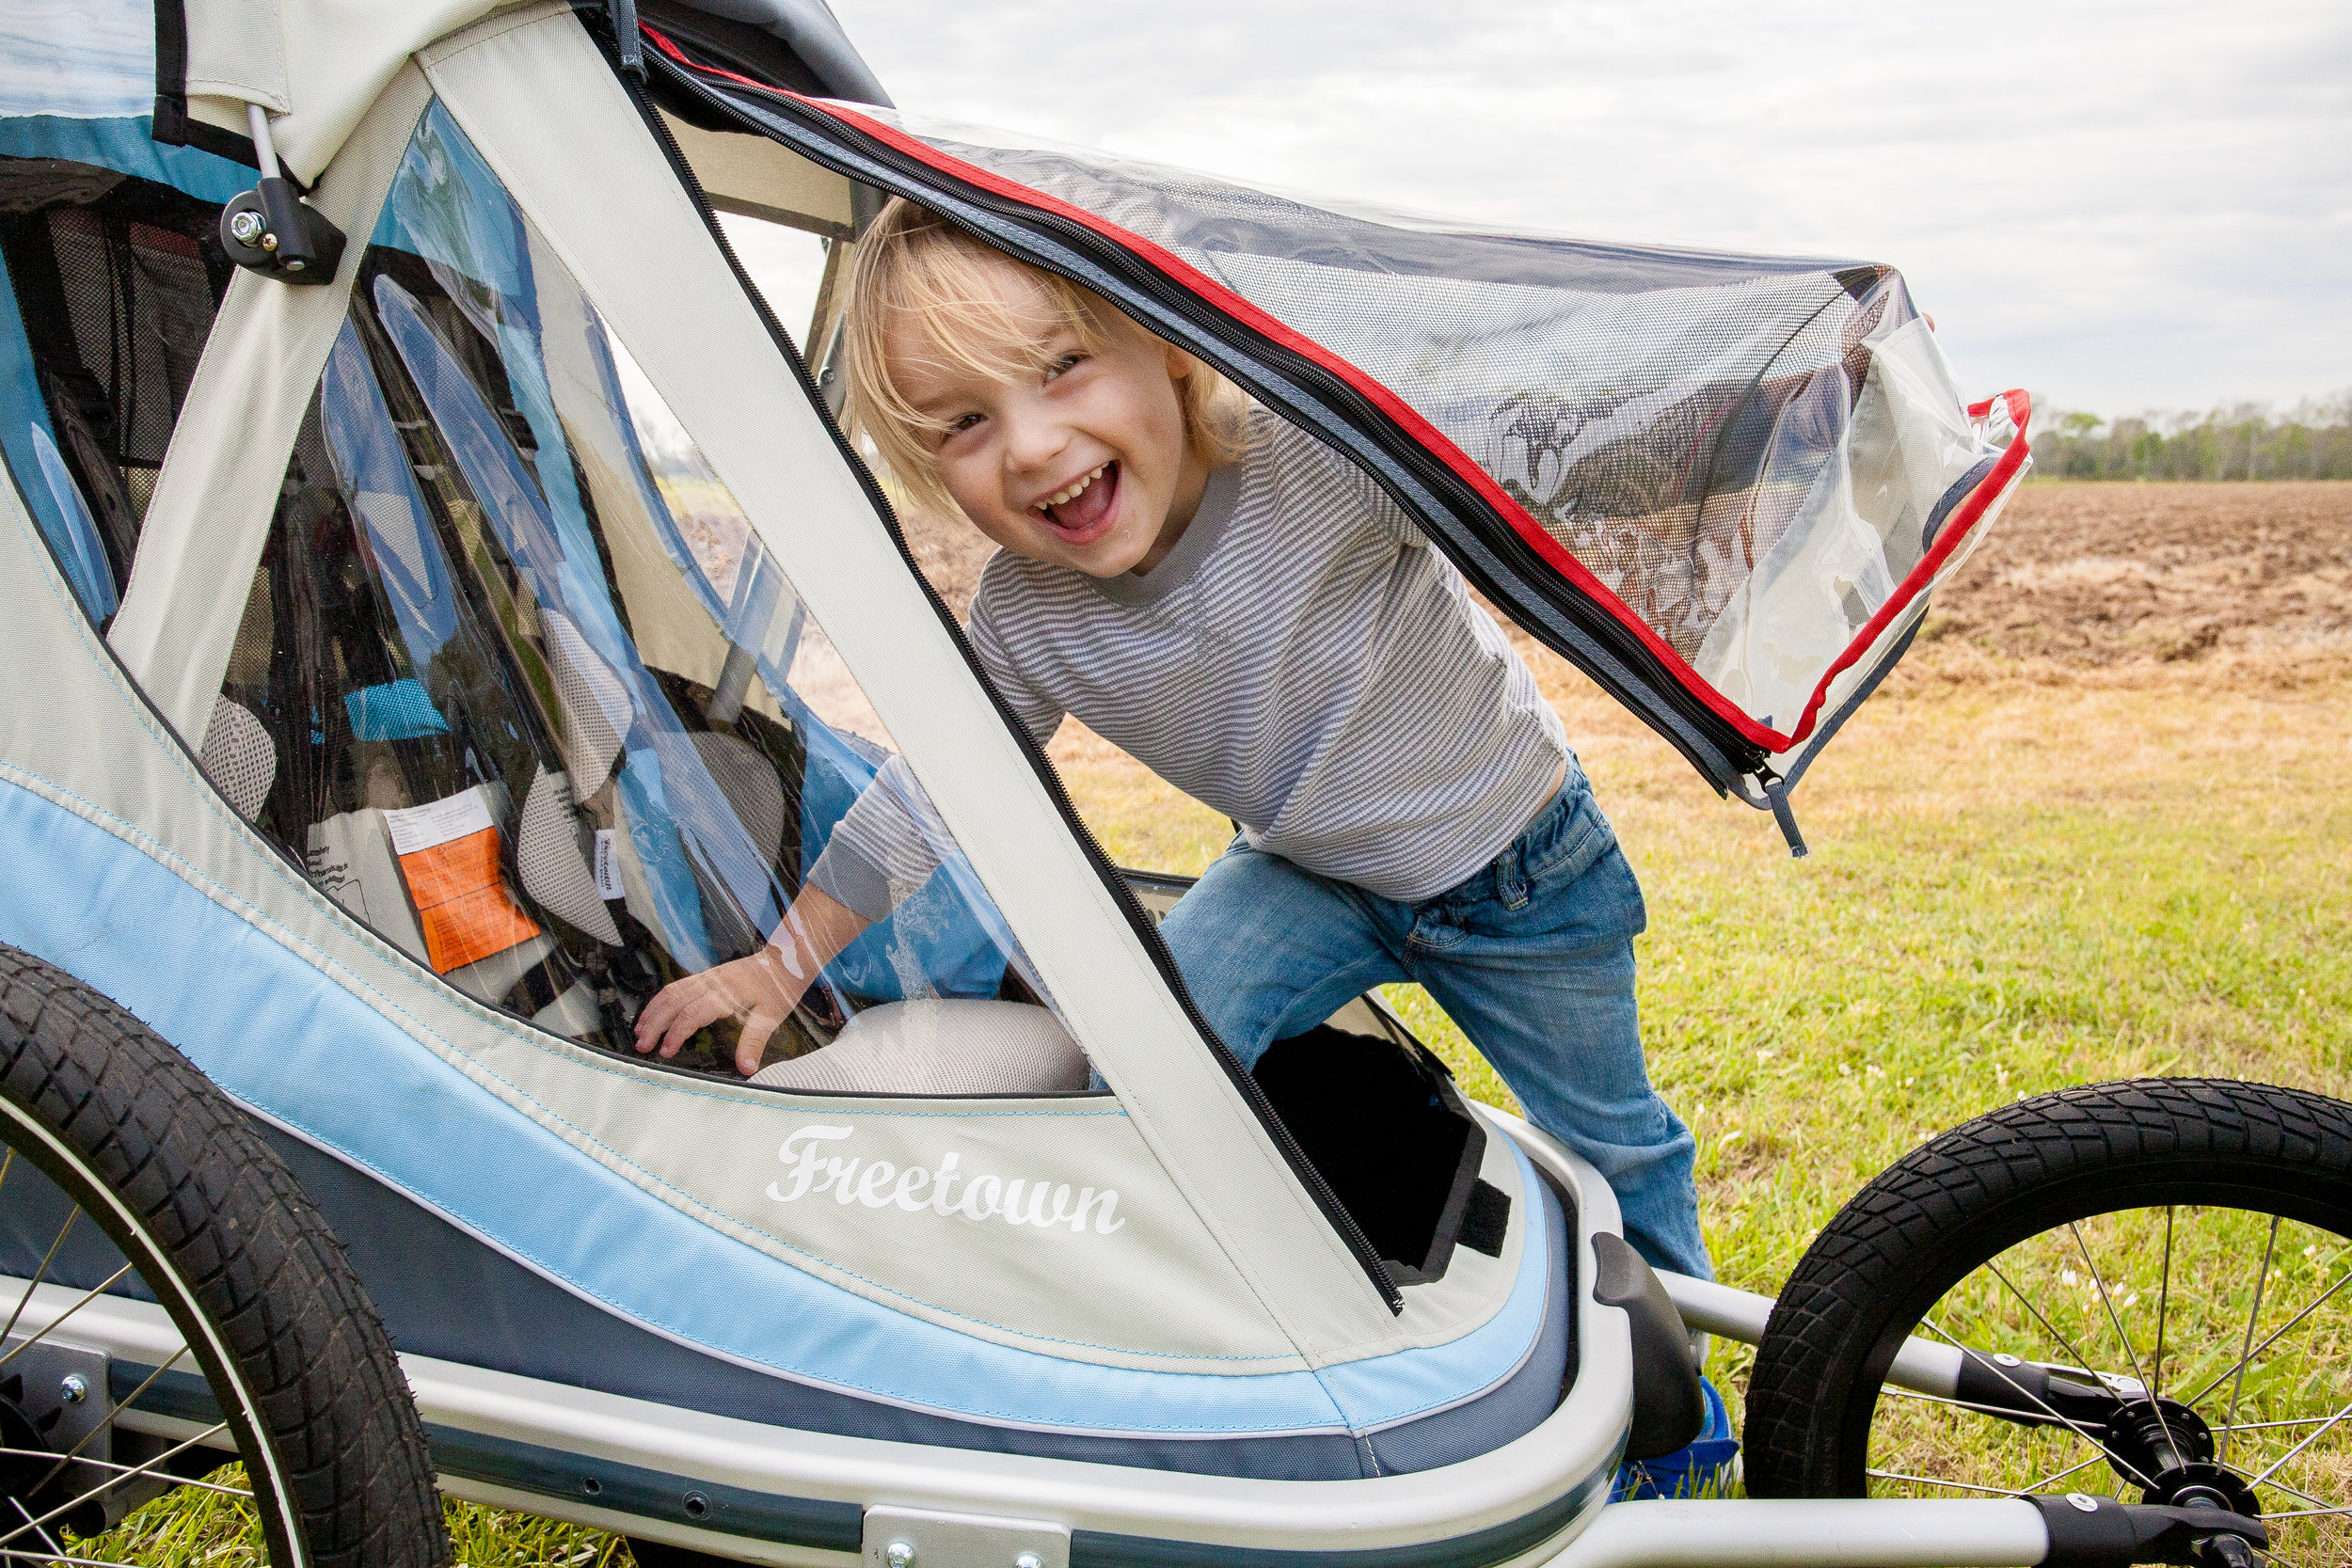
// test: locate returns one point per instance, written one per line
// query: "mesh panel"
(239, 758)
(119, 281)
(1682, 424)
(548, 861)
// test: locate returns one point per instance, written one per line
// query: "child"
(1244, 612)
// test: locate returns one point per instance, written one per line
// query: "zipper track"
(1727, 755)
(1375, 1268)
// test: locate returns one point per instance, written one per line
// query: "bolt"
(269, 242)
(74, 1390)
(2082, 1503)
(245, 227)
(293, 266)
(1028, 1559)
(2005, 1360)
(899, 1554)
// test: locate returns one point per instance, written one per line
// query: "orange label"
(462, 902)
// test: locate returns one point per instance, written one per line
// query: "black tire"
(1933, 1219)
(217, 1229)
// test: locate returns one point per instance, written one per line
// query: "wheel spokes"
(83, 1300)
(2056, 1414)
(40, 1274)
(2254, 1321)
(146, 1467)
(2274, 1410)
(2163, 1301)
(2276, 1334)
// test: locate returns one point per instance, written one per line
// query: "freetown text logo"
(816, 1169)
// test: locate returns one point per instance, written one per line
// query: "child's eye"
(1066, 362)
(962, 422)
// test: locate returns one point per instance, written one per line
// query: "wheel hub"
(2167, 1449)
(30, 1476)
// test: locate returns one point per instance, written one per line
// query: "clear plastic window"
(523, 689)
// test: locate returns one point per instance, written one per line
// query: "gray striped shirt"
(1302, 661)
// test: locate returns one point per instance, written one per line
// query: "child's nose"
(1033, 440)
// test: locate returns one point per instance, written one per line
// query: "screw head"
(245, 227)
(2005, 1360)
(269, 242)
(1028, 1559)
(74, 1390)
(899, 1554)
(2082, 1502)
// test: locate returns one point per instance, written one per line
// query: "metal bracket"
(270, 228)
(912, 1538)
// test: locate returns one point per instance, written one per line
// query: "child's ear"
(1180, 364)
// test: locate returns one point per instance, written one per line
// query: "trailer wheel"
(2143, 1286)
(127, 1174)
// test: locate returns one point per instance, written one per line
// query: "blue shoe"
(1704, 1469)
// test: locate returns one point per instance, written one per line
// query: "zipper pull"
(1777, 794)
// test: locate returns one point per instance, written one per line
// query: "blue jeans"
(1533, 955)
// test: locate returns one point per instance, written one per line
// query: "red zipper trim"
(1961, 523)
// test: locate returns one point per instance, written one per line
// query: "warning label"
(448, 856)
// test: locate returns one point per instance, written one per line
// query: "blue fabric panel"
(1529, 1395)
(30, 446)
(444, 1293)
(395, 710)
(1390, 1388)
(126, 145)
(265, 1025)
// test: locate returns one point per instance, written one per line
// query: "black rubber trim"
(1146, 931)
(1485, 1219)
(1478, 540)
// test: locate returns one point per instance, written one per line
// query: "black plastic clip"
(271, 229)
(1777, 794)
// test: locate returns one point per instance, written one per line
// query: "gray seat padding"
(941, 1046)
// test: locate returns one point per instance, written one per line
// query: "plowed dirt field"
(2104, 574)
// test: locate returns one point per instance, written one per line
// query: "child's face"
(1085, 465)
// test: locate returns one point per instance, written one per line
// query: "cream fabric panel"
(1143, 1286)
(236, 52)
(761, 178)
(218, 489)
(319, 65)
(545, 112)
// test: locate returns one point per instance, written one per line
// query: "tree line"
(2245, 441)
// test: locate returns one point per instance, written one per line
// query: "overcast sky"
(2118, 206)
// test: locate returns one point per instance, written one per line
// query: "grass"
(2022, 878)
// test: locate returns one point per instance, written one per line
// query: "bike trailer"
(440, 610)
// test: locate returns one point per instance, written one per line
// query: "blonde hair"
(914, 269)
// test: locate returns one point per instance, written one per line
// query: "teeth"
(1073, 492)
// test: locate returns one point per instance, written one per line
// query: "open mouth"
(1084, 512)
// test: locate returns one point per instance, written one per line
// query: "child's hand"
(759, 990)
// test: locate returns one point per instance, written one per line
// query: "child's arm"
(887, 845)
(760, 990)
